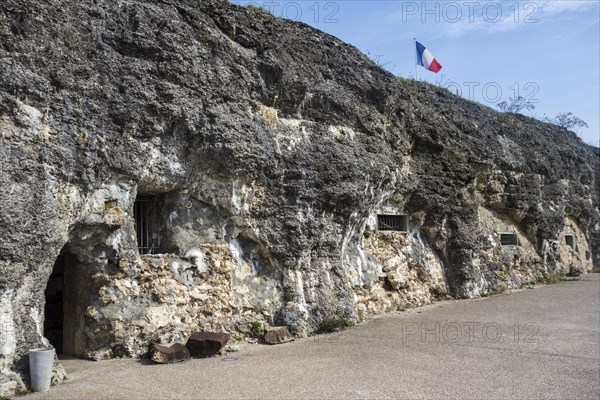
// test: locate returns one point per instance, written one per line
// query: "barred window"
(570, 241)
(398, 223)
(147, 228)
(509, 239)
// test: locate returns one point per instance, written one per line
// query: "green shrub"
(258, 328)
(334, 325)
(457, 157)
(551, 278)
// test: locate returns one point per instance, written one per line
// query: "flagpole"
(416, 64)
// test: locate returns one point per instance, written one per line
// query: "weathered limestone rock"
(206, 344)
(265, 151)
(168, 353)
(232, 348)
(277, 335)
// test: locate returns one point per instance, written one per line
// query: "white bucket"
(41, 362)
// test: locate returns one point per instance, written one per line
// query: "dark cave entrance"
(53, 310)
(62, 313)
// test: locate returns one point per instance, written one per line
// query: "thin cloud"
(567, 6)
(465, 27)
(456, 19)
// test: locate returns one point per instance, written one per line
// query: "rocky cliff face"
(263, 153)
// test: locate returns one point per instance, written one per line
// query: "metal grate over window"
(509, 239)
(570, 241)
(398, 223)
(147, 228)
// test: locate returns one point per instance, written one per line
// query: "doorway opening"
(53, 310)
(64, 322)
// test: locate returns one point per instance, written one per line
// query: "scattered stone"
(232, 348)
(277, 335)
(168, 353)
(206, 344)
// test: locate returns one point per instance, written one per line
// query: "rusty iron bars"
(147, 227)
(398, 223)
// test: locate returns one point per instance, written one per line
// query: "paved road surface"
(535, 343)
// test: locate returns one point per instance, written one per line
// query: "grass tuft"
(551, 278)
(333, 325)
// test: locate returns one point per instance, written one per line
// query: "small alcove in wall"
(570, 241)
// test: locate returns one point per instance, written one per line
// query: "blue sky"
(547, 51)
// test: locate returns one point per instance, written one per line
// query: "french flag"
(426, 59)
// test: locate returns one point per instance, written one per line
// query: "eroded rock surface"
(267, 149)
(169, 353)
(277, 335)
